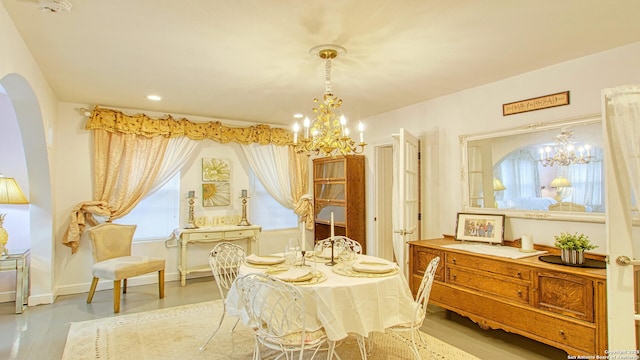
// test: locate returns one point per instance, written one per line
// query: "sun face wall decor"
(217, 192)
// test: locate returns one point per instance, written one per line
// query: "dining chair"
(225, 260)
(421, 300)
(276, 312)
(111, 250)
(340, 243)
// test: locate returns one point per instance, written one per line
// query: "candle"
(306, 123)
(192, 194)
(304, 236)
(244, 193)
(332, 231)
(527, 242)
(296, 127)
(361, 129)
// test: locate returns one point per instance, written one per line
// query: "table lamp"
(560, 183)
(497, 186)
(10, 193)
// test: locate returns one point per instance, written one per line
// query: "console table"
(18, 260)
(184, 237)
(562, 306)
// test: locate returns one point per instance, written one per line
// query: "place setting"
(366, 267)
(265, 261)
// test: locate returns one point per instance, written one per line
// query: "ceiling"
(249, 59)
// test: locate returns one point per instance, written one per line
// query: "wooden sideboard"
(562, 306)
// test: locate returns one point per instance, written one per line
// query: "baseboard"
(49, 298)
(151, 278)
(10, 296)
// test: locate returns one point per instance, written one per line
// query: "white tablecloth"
(348, 305)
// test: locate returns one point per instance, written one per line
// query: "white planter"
(574, 257)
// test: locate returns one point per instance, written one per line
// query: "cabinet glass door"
(329, 170)
(330, 191)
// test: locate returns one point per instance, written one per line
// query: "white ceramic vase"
(573, 257)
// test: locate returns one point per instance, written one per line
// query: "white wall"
(35, 105)
(440, 121)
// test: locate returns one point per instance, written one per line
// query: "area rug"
(178, 333)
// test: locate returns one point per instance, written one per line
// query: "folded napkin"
(375, 267)
(293, 274)
(264, 260)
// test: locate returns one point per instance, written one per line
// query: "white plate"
(264, 260)
(372, 266)
(293, 274)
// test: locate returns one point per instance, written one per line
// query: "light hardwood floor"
(41, 331)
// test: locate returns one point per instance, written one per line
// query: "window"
(157, 214)
(265, 211)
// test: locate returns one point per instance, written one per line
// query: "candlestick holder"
(332, 262)
(243, 220)
(191, 221)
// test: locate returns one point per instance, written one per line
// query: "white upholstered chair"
(422, 300)
(111, 249)
(225, 260)
(276, 312)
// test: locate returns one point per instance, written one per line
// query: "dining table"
(342, 300)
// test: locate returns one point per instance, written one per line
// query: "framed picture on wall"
(216, 194)
(486, 228)
(215, 170)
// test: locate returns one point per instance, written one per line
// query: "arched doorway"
(27, 112)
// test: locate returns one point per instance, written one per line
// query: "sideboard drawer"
(238, 234)
(490, 284)
(498, 267)
(204, 236)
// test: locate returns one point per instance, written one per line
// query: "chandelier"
(327, 134)
(565, 152)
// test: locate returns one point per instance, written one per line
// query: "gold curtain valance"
(141, 124)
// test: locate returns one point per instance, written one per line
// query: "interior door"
(405, 196)
(621, 106)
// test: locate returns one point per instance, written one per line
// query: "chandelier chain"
(327, 77)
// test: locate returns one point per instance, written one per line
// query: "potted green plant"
(573, 246)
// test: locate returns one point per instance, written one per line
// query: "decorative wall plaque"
(538, 103)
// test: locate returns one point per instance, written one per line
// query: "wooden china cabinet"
(338, 188)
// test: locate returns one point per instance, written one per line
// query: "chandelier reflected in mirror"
(327, 134)
(564, 152)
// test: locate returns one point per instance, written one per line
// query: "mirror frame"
(526, 214)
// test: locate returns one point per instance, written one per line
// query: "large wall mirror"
(549, 170)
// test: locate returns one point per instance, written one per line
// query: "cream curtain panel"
(130, 161)
(284, 174)
(623, 110)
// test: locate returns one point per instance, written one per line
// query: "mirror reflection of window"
(531, 186)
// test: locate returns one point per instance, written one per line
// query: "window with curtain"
(265, 211)
(157, 213)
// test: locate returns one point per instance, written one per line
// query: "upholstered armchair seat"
(127, 266)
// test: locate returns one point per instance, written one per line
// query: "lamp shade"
(10, 192)
(497, 185)
(560, 182)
